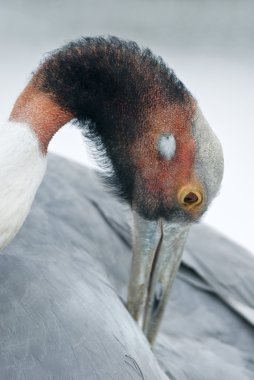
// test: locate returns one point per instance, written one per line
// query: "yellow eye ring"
(190, 197)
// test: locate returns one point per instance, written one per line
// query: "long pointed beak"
(146, 235)
(157, 252)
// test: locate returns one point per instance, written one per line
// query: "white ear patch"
(167, 146)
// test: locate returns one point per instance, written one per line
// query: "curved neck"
(42, 114)
(109, 85)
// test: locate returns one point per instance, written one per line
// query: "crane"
(165, 161)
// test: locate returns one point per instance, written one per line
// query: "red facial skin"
(161, 179)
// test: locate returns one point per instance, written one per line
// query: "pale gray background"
(208, 43)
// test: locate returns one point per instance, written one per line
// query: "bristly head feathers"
(112, 87)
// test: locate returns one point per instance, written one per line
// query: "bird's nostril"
(190, 198)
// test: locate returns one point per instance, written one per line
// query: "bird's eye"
(167, 146)
(190, 197)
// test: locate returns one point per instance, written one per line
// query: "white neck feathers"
(22, 167)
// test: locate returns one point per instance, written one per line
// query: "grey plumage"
(63, 278)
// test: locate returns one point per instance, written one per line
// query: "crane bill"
(157, 251)
(165, 267)
(146, 235)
